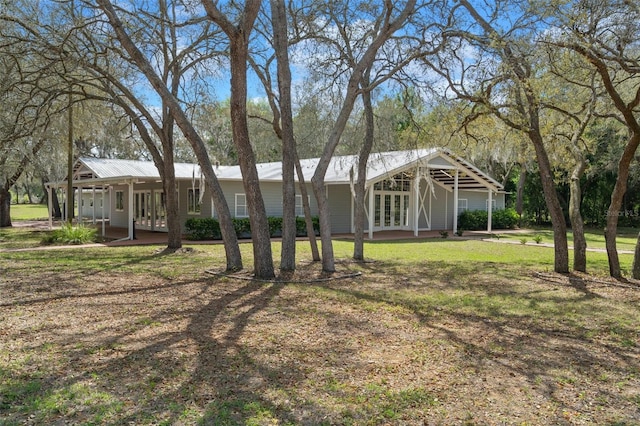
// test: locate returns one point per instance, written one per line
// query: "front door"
(142, 209)
(391, 210)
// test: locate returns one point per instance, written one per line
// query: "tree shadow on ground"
(555, 356)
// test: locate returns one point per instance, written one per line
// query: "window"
(119, 201)
(493, 204)
(299, 206)
(463, 205)
(193, 201)
(241, 206)
(399, 183)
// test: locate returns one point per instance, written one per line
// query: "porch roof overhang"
(470, 178)
(94, 182)
(441, 165)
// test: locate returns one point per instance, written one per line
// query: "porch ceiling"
(465, 181)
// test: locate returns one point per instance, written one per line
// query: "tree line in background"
(544, 95)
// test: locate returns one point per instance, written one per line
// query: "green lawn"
(436, 331)
(28, 211)
(595, 237)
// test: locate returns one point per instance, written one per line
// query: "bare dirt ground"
(418, 348)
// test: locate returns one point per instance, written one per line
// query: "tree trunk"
(55, 208)
(520, 191)
(27, 189)
(328, 260)
(363, 158)
(635, 270)
(239, 34)
(311, 232)
(232, 249)
(617, 195)
(174, 227)
(260, 236)
(577, 224)
(530, 108)
(561, 248)
(5, 207)
(279, 23)
(350, 96)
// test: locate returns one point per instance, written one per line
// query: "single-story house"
(413, 190)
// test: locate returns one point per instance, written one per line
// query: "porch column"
(371, 212)
(64, 205)
(93, 200)
(130, 216)
(80, 200)
(353, 211)
(455, 202)
(50, 204)
(102, 203)
(416, 201)
(489, 211)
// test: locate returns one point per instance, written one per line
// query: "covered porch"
(416, 195)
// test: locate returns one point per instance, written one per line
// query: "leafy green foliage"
(207, 228)
(474, 220)
(202, 228)
(70, 234)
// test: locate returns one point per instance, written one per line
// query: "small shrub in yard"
(207, 228)
(523, 241)
(475, 220)
(202, 228)
(242, 226)
(537, 239)
(459, 232)
(444, 234)
(70, 234)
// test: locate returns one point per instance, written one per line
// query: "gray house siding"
(340, 206)
(271, 194)
(440, 216)
(119, 218)
(479, 200)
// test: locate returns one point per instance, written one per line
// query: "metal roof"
(381, 165)
(106, 168)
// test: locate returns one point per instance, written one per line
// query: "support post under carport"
(489, 210)
(371, 211)
(131, 218)
(416, 201)
(455, 202)
(50, 204)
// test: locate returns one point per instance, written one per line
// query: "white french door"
(160, 211)
(142, 209)
(391, 210)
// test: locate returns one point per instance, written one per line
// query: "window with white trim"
(463, 205)
(241, 206)
(193, 201)
(299, 206)
(119, 201)
(493, 204)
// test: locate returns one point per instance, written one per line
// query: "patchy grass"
(28, 211)
(434, 331)
(626, 239)
(22, 237)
